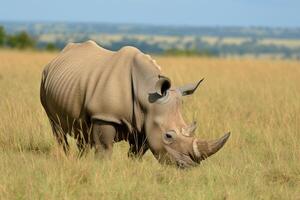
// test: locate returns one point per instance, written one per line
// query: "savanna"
(257, 100)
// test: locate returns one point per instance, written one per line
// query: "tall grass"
(257, 100)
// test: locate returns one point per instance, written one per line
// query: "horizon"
(146, 24)
(191, 13)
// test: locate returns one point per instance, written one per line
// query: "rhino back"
(87, 79)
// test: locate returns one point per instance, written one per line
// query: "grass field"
(257, 100)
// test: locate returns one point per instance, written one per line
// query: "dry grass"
(257, 100)
(212, 40)
(290, 43)
(234, 40)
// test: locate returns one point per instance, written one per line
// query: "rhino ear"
(162, 85)
(189, 88)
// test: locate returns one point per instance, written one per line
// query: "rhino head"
(170, 139)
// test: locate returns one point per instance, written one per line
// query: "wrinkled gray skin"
(101, 97)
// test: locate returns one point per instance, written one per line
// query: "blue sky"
(283, 13)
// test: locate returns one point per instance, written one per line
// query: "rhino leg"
(82, 146)
(82, 133)
(136, 152)
(138, 146)
(103, 134)
(60, 135)
(83, 143)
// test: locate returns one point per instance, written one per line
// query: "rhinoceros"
(100, 97)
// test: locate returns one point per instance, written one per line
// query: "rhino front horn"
(189, 88)
(204, 149)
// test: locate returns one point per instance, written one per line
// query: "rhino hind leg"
(103, 134)
(82, 134)
(82, 146)
(60, 135)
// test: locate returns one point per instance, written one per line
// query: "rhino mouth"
(182, 160)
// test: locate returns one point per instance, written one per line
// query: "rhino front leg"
(136, 152)
(103, 134)
(138, 146)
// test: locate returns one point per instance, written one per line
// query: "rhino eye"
(169, 137)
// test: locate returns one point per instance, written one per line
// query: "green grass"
(257, 100)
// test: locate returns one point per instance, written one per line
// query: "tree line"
(20, 40)
(198, 47)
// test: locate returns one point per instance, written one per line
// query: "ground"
(257, 100)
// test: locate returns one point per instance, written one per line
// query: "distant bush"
(188, 52)
(51, 47)
(20, 40)
(2, 36)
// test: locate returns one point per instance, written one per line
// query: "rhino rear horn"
(162, 85)
(189, 130)
(189, 88)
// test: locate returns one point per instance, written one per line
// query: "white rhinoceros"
(101, 97)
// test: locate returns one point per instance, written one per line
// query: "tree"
(50, 47)
(20, 40)
(2, 36)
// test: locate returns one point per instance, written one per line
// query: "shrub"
(20, 40)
